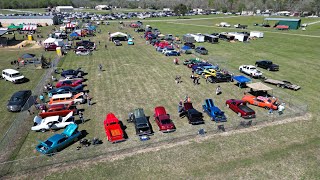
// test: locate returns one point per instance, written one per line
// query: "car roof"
(10, 71)
(67, 95)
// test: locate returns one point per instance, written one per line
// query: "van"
(12, 76)
(67, 99)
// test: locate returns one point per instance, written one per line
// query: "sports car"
(261, 101)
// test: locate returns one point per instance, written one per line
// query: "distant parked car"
(220, 77)
(141, 123)
(83, 53)
(201, 50)
(224, 24)
(58, 142)
(250, 70)
(163, 120)
(172, 53)
(191, 45)
(266, 64)
(240, 107)
(117, 43)
(71, 72)
(18, 100)
(66, 89)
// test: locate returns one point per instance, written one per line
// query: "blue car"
(66, 89)
(130, 41)
(59, 141)
(213, 111)
(172, 53)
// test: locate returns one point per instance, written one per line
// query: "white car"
(167, 50)
(224, 24)
(83, 53)
(250, 70)
(52, 122)
(12, 75)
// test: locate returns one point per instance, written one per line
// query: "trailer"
(226, 37)
(198, 37)
(282, 84)
(256, 34)
(211, 38)
(188, 38)
(239, 36)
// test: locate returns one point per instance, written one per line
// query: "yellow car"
(209, 72)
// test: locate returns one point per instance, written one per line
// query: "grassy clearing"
(137, 76)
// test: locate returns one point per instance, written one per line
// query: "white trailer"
(257, 34)
(198, 37)
(239, 36)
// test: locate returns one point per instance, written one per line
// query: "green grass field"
(138, 76)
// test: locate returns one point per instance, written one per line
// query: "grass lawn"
(138, 76)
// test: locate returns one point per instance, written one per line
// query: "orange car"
(261, 101)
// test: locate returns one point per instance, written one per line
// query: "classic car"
(202, 65)
(261, 101)
(250, 70)
(209, 72)
(172, 53)
(141, 123)
(213, 111)
(58, 142)
(113, 128)
(66, 89)
(167, 49)
(71, 72)
(201, 50)
(194, 116)
(266, 64)
(83, 53)
(18, 100)
(220, 77)
(58, 110)
(67, 99)
(68, 83)
(52, 122)
(240, 107)
(163, 119)
(191, 61)
(282, 84)
(199, 69)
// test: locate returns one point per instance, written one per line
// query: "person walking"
(105, 46)
(81, 117)
(218, 90)
(100, 67)
(41, 97)
(89, 100)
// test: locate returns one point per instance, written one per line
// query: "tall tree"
(180, 9)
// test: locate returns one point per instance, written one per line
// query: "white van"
(12, 76)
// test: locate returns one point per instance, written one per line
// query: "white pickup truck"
(250, 70)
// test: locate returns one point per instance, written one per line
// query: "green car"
(192, 61)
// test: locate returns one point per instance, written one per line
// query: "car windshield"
(15, 99)
(48, 143)
(16, 75)
(166, 121)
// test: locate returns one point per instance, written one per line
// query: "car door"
(62, 143)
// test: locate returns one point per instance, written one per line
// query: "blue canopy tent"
(74, 34)
(241, 80)
(186, 49)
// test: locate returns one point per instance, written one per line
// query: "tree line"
(222, 5)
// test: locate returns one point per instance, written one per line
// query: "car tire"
(282, 86)
(267, 108)
(43, 130)
(239, 114)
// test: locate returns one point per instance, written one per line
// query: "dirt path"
(199, 139)
(32, 45)
(199, 25)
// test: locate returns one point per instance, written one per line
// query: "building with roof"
(43, 20)
(64, 9)
(291, 23)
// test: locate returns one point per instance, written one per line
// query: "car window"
(62, 140)
(48, 143)
(15, 99)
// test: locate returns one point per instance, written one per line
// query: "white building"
(43, 20)
(197, 10)
(102, 7)
(166, 9)
(64, 8)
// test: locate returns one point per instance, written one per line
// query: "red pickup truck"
(113, 128)
(240, 107)
(58, 110)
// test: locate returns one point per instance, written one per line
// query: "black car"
(87, 44)
(66, 89)
(71, 72)
(220, 77)
(193, 115)
(141, 122)
(191, 45)
(201, 50)
(266, 64)
(18, 100)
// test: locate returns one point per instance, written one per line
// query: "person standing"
(41, 97)
(100, 67)
(218, 90)
(81, 117)
(89, 100)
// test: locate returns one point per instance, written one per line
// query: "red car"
(68, 83)
(113, 128)
(241, 108)
(163, 120)
(59, 110)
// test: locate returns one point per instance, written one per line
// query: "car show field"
(137, 76)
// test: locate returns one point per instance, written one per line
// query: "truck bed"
(245, 109)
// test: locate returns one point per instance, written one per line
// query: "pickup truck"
(240, 26)
(282, 84)
(163, 120)
(240, 107)
(213, 111)
(58, 110)
(113, 128)
(141, 123)
(250, 70)
(194, 116)
(266, 64)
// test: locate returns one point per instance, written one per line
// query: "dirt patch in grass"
(161, 146)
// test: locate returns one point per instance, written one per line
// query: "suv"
(191, 45)
(201, 50)
(12, 76)
(266, 64)
(18, 100)
(141, 122)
